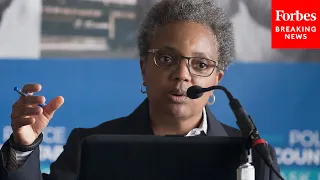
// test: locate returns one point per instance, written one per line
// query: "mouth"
(178, 95)
(178, 92)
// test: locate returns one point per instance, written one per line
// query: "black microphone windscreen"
(194, 92)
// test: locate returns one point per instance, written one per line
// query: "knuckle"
(29, 99)
(17, 103)
(15, 123)
(15, 113)
(23, 111)
(27, 111)
(37, 110)
(34, 99)
(14, 105)
(12, 116)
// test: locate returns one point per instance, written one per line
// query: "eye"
(166, 59)
(199, 63)
(202, 65)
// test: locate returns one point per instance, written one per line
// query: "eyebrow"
(194, 54)
(200, 54)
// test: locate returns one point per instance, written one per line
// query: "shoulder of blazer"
(136, 123)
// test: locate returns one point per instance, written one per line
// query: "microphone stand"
(246, 170)
(248, 129)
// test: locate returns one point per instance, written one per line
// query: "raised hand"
(28, 119)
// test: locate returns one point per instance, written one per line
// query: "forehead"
(189, 38)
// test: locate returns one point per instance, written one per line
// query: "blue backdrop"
(281, 97)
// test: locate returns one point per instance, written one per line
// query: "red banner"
(295, 24)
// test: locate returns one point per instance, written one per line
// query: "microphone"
(244, 122)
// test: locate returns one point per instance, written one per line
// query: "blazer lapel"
(215, 127)
(138, 120)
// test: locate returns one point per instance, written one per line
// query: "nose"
(181, 73)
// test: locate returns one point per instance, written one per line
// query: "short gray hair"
(205, 12)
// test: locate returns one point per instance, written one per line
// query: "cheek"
(151, 72)
(206, 81)
(155, 77)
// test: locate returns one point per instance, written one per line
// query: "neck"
(164, 124)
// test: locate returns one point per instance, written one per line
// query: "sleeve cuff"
(17, 159)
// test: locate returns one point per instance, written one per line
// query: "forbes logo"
(281, 15)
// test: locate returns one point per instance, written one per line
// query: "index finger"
(31, 88)
(28, 89)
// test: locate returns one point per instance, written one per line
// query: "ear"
(143, 66)
(219, 76)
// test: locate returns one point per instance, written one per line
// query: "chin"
(179, 110)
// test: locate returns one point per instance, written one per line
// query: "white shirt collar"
(203, 126)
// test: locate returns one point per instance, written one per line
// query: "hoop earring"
(142, 91)
(213, 101)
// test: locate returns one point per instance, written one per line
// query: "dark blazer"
(66, 167)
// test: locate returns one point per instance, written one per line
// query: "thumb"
(52, 106)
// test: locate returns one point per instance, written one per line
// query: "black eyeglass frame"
(154, 51)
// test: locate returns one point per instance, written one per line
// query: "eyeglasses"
(197, 66)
